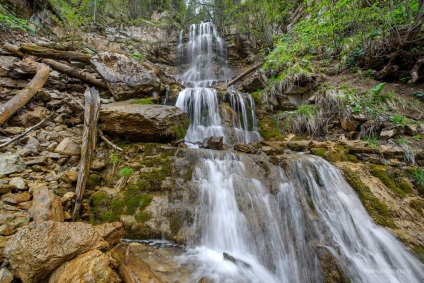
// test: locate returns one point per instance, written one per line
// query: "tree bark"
(55, 54)
(91, 116)
(245, 73)
(74, 72)
(25, 95)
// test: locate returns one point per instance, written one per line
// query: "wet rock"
(53, 243)
(46, 206)
(11, 163)
(147, 122)
(246, 148)
(5, 275)
(68, 147)
(268, 150)
(92, 266)
(9, 222)
(124, 76)
(18, 183)
(132, 269)
(215, 143)
(387, 134)
(411, 129)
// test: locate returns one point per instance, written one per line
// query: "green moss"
(379, 211)
(143, 101)
(176, 221)
(180, 130)
(93, 180)
(188, 174)
(419, 252)
(143, 217)
(319, 151)
(352, 158)
(257, 97)
(386, 176)
(269, 129)
(418, 205)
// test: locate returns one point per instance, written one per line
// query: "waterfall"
(206, 57)
(293, 225)
(277, 237)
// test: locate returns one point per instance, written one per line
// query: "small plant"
(368, 73)
(378, 88)
(418, 176)
(404, 79)
(137, 56)
(115, 159)
(372, 142)
(126, 172)
(400, 141)
(398, 119)
(417, 137)
(419, 94)
(89, 51)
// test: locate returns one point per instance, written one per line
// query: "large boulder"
(125, 77)
(11, 163)
(254, 82)
(144, 122)
(92, 266)
(41, 247)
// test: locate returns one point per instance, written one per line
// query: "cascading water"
(247, 229)
(244, 233)
(206, 56)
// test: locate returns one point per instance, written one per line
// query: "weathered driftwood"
(23, 134)
(55, 54)
(74, 72)
(245, 73)
(91, 116)
(415, 71)
(25, 95)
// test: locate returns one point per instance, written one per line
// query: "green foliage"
(115, 159)
(270, 129)
(143, 101)
(126, 172)
(417, 137)
(10, 21)
(417, 175)
(378, 88)
(138, 56)
(379, 211)
(399, 119)
(372, 142)
(419, 94)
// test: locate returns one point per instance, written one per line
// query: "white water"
(207, 66)
(277, 237)
(273, 234)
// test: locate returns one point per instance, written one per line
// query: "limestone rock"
(214, 143)
(349, 124)
(46, 206)
(124, 76)
(38, 249)
(14, 130)
(387, 134)
(131, 268)
(411, 129)
(5, 275)
(92, 266)
(254, 82)
(18, 183)
(144, 122)
(9, 222)
(37, 115)
(70, 176)
(111, 232)
(68, 147)
(11, 163)
(33, 145)
(17, 198)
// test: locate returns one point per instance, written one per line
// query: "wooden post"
(25, 94)
(91, 116)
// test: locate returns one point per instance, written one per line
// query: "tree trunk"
(415, 71)
(74, 72)
(25, 95)
(55, 54)
(91, 116)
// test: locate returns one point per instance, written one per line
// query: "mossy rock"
(378, 210)
(392, 179)
(269, 130)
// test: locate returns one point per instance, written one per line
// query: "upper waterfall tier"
(207, 56)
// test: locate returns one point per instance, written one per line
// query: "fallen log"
(13, 49)
(74, 72)
(245, 73)
(23, 134)
(91, 116)
(25, 94)
(55, 54)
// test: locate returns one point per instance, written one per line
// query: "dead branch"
(55, 54)
(415, 71)
(25, 95)
(91, 116)
(109, 143)
(21, 135)
(74, 72)
(245, 73)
